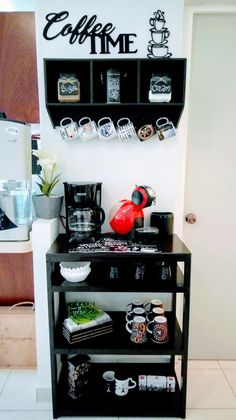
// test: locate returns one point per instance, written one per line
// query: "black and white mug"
(106, 129)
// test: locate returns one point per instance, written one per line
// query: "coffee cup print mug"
(158, 328)
(165, 128)
(87, 129)
(106, 129)
(122, 386)
(69, 129)
(138, 329)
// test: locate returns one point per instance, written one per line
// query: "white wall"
(17, 5)
(119, 166)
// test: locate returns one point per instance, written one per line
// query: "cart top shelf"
(170, 247)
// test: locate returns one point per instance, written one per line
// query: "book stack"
(85, 322)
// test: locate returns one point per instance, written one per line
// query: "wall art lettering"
(100, 38)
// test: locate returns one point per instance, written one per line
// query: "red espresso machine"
(127, 215)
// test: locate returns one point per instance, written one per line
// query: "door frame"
(190, 11)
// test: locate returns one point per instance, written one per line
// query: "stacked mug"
(147, 320)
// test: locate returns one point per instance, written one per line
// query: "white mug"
(165, 128)
(122, 386)
(68, 129)
(109, 378)
(106, 130)
(87, 130)
(125, 129)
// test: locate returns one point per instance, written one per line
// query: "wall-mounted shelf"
(135, 82)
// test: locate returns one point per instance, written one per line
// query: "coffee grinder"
(84, 214)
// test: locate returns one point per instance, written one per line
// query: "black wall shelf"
(135, 81)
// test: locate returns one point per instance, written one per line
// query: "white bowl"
(75, 271)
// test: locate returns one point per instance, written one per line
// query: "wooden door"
(18, 68)
(19, 100)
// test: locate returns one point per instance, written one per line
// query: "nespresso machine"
(84, 214)
(15, 180)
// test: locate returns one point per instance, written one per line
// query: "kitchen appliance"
(127, 215)
(15, 180)
(163, 221)
(84, 214)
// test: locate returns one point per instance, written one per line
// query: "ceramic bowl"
(75, 271)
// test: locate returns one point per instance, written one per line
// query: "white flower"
(48, 163)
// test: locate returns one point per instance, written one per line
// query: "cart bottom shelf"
(136, 403)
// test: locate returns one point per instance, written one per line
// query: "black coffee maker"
(84, 214)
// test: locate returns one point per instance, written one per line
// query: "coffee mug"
(165, 271)
(138, 330)
(68, 129)
(155, 312)
(145, 132)
(106, 130)
(165, 128)
(160, 37)
(87, 130)
(158, 328)
(135, 304)
(135, 312)
(109, 378)
(155, 303)
(122, 386)
(125, 129)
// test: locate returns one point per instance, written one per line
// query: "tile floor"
(211, 393)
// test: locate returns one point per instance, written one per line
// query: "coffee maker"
(84, 214)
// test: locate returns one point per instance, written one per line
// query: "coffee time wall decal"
(109, 28)
(101, 39)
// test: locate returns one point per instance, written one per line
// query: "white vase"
(47, 207)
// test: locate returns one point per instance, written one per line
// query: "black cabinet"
(135, 76)
(167, 356)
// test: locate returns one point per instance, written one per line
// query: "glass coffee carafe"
(85, 219)
(84, 214)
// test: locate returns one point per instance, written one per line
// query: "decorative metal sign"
(89, 29)
(152, 29)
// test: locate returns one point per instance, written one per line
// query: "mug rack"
(135, 77)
